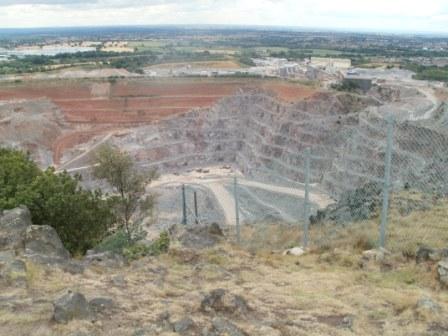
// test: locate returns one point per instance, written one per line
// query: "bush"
(139, 250)
(17, 171)
(116, 242)
(81, 218)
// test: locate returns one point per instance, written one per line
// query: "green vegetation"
(139, 250)
(117, 168)
(17, 171)
(133, 249)
(428, 72)
(347, 86)
(115, 242)
(81, 218)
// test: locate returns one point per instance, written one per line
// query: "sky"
(364, 15)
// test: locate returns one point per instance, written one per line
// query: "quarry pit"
(256, 129)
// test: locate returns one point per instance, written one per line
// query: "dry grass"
(309, 295)
(405, 233)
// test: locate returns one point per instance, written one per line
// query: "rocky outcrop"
(71, 306)
(198, 237)
(222, 301)
(101, 305)
(375, 259)
(425, 253)
(14, 273)
(43, 243)
(442, 271)
(225, 327)
(13, 224)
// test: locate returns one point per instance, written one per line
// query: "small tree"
(118, 169)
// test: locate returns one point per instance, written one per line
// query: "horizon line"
(238, 26)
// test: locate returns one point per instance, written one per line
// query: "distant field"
(230, 64)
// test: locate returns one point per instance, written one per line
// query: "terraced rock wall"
(266, 139)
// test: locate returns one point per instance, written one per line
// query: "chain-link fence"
(384, 183)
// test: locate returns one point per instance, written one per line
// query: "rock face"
(71, 306)
(13, 224)
(14, 273)
(43, 243)
(442, 270)
(19, 237)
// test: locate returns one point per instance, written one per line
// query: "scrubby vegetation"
(133, 249)
(117, 168)
(81, 218)
(429, 72)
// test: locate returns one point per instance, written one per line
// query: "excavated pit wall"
(266, 140)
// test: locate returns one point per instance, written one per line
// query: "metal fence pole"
(196, 215)
(237, 214)
(306, 203)
(184, 206)
(387, 184)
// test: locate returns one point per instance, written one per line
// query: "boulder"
(13, 224)
(426, 309)
(198, 237)
(295, 251)
(107, 259)
(43, 244)
(145, 331)
(185, 326)
(100, 305)
(374, 259)
(220, 300)
(225, 327)
(71, 306)
(119, 280)
(442, 271)
(425, 253)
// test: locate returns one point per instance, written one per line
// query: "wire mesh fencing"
(374, 192)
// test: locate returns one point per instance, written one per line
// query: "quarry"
(265, 183)
(256, 129)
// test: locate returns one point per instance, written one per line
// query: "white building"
(331, 63)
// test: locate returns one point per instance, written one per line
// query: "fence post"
(306, 202)
(237, 214)
(196, 215)
(387, 184)
(184, 206)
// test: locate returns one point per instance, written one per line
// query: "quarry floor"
(216, 179)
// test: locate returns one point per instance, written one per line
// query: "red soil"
(135, 101)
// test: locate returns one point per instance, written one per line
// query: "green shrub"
(80, 217)
(162, 244)
(139, 250)
(116, 242)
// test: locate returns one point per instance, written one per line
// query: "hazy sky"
(378, 15)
